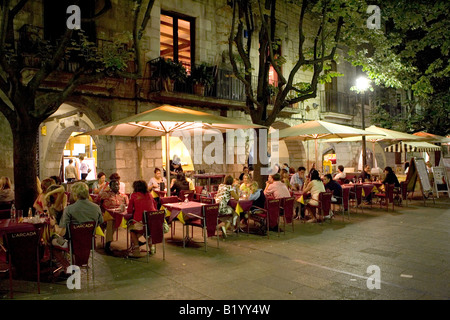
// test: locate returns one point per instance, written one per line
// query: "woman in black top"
(179, 184)
(390, 178)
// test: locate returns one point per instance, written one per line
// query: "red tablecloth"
(184, 207)
(9, 226)
(245, 204)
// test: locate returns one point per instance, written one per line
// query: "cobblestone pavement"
(408, 248)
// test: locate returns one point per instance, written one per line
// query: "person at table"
(227, 215)
(155, 185)
(112, 203)
(297, 182)
(39, 204)
(245, 171)
(82, 211)
(115, 176)
(140, 200)
(333, 186)
(284, 173)
(100, 184)
(175, 166)
(340, 174)
(178, 184)
(55, 201)
(247, 187)
(188, 175)
(390, 177)
(365, 174)
(275, 188)
(314, 187)
(298, 179)
(6, 191)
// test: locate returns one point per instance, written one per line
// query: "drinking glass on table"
(19, 215)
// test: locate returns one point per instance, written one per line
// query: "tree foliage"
(411, 52)
(26, 106)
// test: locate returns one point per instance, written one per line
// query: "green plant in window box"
(202, 77)
(169, 72)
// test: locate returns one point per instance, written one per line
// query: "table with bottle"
(18, 223)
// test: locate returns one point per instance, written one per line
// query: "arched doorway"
(56, 131)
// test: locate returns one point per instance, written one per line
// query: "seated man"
(276, 189)
(341, 174)
(297, 182)
(82, 211)
(365, 175)
(112, 203)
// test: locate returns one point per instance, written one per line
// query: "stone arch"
(51, 161)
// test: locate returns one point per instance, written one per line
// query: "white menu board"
(423, 175)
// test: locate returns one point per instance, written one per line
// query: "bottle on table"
(30, 213)
(13, 212)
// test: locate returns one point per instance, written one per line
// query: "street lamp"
(362, 84)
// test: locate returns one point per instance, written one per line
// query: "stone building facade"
(111, 99)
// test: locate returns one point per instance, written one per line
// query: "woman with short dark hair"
(100, 184)
(140, 200)
(179, 184)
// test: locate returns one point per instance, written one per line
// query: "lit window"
(176, 39)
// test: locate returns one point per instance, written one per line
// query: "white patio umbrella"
(317, 129)
(166, 119)
(383, 134)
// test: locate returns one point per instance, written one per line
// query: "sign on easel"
(440, 181)
(418, 170)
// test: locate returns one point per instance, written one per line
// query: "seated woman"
(112, 203)
(285, 178)
(140, 200)
(6, 193)
(100, 184)
(314, 186)
(156, 183)
(39, 204)
(223, 196)
(178, 184)
(55, 200)
(248, 186)
(390, 178)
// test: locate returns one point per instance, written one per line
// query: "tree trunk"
(25, 165)
(257, 166)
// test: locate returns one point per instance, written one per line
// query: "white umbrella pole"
(168, 163)
(316, 147)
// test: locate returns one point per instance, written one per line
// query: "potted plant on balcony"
(202, 77)
(170, 72)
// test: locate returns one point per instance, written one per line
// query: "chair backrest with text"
(154, 221)
(325, 202)
(171, 199)
(358, 190)
(288, 208)
(206, 200)
(273, 211)
(211, 216)
(24, 256)
(81, 238)
(183, 193)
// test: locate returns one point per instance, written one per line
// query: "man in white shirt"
(341, 174)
